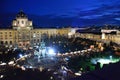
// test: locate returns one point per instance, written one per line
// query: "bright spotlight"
(51, 52)
(66, 59)
(110, 57)
(20, 55)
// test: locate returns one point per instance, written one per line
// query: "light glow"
(104, 61)
(20, 55)
(51, 52)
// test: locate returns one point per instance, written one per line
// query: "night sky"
(49, 13)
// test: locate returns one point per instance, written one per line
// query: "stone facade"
(23, 33)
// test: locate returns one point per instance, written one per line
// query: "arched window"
(1, 42)
(22, 22)
(10, 42)
(6, 42)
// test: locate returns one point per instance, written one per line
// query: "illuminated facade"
(111, 35)
(23, 34)
(106, 35)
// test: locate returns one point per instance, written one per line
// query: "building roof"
(21, 14)
(89, 31)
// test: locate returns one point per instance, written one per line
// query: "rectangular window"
(9, 32)
(5, 35)
(10, 35)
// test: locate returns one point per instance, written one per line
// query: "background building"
(104, 35)
(23, 33)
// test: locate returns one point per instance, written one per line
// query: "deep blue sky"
(62, 12)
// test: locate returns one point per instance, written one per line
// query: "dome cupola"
(21, 14)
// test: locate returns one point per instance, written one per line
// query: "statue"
(42, 51)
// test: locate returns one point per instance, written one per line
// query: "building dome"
(21, 14)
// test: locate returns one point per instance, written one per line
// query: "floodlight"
(51, 52)
(20, 55)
